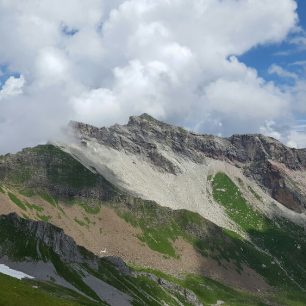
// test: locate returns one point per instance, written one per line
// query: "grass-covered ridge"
(60, 167)
(282, 240)
(47, 171)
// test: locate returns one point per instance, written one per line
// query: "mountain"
(151, 214)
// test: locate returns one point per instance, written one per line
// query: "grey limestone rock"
(147, 137)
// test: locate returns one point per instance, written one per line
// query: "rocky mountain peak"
(145, 119)
(263, 158)
(148, 136)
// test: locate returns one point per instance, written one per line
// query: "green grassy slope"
(21, 245)
(28, 293)
(55, 175)
(222, 245)
(282, 241)
(51, 173)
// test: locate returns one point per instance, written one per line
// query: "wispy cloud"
(299, 41)
(298, 63)
(281, 72)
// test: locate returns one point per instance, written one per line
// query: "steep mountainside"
(200, 220)
(262, 158)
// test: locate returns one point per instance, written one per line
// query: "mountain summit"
(168, 148)
(141, 131)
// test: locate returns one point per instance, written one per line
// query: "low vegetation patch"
(34, 207)
(90, 209)
(27, 192)
(49, 199)
(17, 201)
(159, 238)
(43, 218)
(226, 193)
(80, 222)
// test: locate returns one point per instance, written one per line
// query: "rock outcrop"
(45, 234)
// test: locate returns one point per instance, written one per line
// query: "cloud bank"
(101, 61)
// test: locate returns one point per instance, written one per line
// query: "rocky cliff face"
(43, 233)
(258, 155)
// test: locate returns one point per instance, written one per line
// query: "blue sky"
(5, 73)
(284, 54)
(288, 55)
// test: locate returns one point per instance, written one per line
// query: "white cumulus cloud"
(12, 87)
(100, 61)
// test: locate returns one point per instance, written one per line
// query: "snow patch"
(13, 273)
